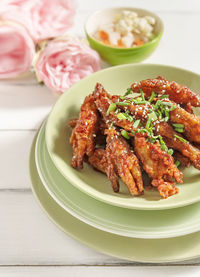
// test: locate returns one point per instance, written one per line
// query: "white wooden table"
(30, 245)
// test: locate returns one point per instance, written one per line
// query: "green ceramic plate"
(116, 80)
(133, 249)
(121, 221)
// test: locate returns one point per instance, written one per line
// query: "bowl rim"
(152, 41)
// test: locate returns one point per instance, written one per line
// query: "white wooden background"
(30, 245)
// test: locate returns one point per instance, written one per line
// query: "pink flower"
(43, 18)
(65, 61)
(16, 50)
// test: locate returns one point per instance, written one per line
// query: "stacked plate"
(82, 203)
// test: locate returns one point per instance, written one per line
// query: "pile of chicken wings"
(150, 128)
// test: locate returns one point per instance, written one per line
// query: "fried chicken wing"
(158, 164)
(184, 161)
(190, 121)
(184, 147)
(103, 101)
(82, 138)
(178, 93)
(126, 163)
(100, 162)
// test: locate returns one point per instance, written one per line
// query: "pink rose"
(16, 50)
(43, 18)
(64, 61)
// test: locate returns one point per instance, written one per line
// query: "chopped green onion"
(179, 130)
(128, 91)
(142, 94)
(122, 103)
(177, 163)
(122, 97)
(125, 134)
(176, 125)
(152, 97)
(158, 103)
(167, 104)
(164, 96)
(164, 147)
(172, 108)
(121, 116)
(170, 151)
(180, 138)
(112, 107)
(153, 116)
(148, 123)
(139, 98)
(136, 123)
(135, 101)
(132, 132)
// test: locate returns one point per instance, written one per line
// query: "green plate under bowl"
(115, 80)
(133, 249)
(120, 221)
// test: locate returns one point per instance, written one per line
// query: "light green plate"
(133, 249)
(116, 80)
(120, 221)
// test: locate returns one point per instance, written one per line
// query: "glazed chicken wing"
(178, 93)
(103, 101)
(190, 121)
(183, 146)
(100, 162)
(126, 163)
(82, 138)
(158, 164)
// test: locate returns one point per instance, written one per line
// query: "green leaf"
(136, 123)
(180, 138)
(125, 134)
(112, 107)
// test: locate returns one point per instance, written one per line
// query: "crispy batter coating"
(178, 93)
(167, 189)
(102, 101)
(100, 162)
(190, 121)
(72, 123)
(82, 138)
(158, 164)
(182, 159)
(126, 163)
(185, 148)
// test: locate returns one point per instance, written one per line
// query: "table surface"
(30, 244)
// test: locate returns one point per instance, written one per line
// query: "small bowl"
(114, 55)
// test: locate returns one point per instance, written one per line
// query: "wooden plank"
(27, 236)
(85, 271)
(14, 159)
